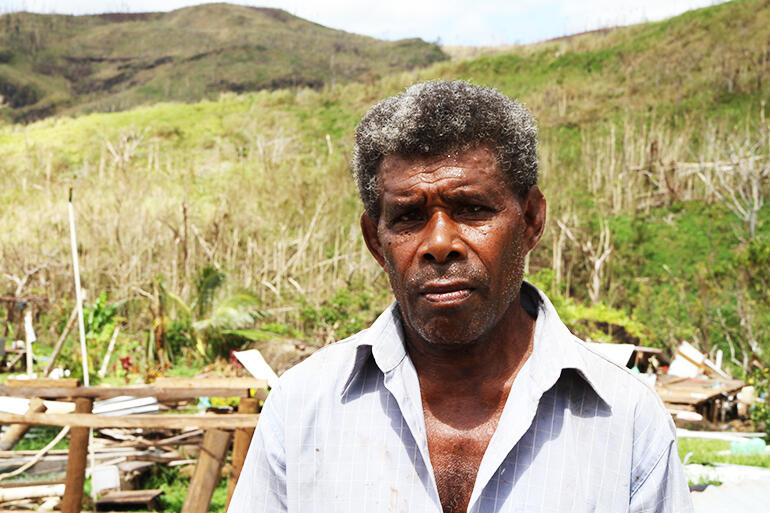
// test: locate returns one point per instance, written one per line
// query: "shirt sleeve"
(261, 487)
(662, 487)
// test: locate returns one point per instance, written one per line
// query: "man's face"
(452, 238)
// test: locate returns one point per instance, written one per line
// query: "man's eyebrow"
(472, 194)
(404, 201)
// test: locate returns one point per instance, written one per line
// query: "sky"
(450, 22)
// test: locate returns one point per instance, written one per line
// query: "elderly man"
(468, 393)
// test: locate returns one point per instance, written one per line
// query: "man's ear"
(534, 216)
(369, 231)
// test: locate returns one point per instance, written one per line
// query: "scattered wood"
(49, 504)
(16, 432)
(14, 384)
(121, 500)
(31, 492)
(207, 471)
(76, 461)
(241, 441)
(227, 422)
(231, 387)
(129, 444)
(37, 456)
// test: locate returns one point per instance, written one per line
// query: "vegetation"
(760, 411)
(648, 136)
(67, 64)
(717, 451)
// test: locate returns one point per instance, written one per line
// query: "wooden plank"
(162, 392)
(42, 383)
(693, 398)
(18, 484)
(241, 441)
(31, 492)
(76, 462)
(207, 471)
(129, 497)
(228, 421)
(231, 383)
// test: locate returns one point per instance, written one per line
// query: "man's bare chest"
(456, 455)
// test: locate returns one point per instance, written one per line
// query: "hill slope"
(55, 63)
(257, 185)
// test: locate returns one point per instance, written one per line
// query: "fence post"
(241, 442)
(76, 461)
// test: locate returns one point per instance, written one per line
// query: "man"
(468, 393)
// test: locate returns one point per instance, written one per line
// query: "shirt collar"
(383, 340)
(555, 349)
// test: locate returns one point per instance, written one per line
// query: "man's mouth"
(447, 293)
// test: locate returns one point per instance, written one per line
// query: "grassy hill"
(243, 203)
(65, 64)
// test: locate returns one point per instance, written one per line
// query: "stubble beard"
(468, 325)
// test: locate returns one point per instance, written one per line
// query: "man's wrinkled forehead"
(447, 161)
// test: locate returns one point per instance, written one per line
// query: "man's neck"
(478, 367)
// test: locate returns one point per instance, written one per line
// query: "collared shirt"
(344, 431)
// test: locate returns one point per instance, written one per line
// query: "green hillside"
(235, 220)
(66, 64)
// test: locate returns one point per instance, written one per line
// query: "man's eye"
(474, 210)
(407, 217)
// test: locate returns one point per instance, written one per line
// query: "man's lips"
(447, 293)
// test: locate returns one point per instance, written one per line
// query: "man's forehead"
(449, 164)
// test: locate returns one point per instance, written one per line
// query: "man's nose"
(442, 242)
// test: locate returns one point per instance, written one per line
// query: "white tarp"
(253, 361)
(616, 353)
(687, 362)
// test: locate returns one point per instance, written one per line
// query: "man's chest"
(456, 451)
(370, 458)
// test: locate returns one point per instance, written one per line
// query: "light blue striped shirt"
(344, 431)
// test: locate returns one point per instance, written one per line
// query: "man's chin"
(454, 332)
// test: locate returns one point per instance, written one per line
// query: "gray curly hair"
(431, 118)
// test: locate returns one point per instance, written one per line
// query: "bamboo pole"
(78, 291)
(79, 305)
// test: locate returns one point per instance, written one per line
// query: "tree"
(738, 179)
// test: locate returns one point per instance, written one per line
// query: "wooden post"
(16, 432)
(207, 471)
(241, 441)
(76, 461)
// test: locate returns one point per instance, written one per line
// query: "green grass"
(38, 437)
(176, 486)
(717, 451)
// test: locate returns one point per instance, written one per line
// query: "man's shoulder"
(326, 369)
(618, 385)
